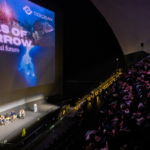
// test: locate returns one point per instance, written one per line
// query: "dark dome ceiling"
(130, 22)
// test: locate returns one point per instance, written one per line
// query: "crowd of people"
(124, 121)
(12, 117)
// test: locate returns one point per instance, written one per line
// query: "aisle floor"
(57, 130)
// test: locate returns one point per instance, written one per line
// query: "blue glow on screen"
(27, 67)
(27, 36)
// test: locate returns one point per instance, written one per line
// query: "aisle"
(57, 130)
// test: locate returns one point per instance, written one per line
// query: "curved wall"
(130, 22)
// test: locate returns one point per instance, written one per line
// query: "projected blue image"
(27, 67)
(27, 36)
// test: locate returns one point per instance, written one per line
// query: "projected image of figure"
(27, 67)
(42, 35)
(42, 27)
(38, 30)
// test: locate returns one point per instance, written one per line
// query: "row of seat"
(72, 136)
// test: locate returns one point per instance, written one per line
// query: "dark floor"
(57, 130)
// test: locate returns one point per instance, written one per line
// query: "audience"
(126, 112)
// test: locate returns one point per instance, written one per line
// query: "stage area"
(14, 128)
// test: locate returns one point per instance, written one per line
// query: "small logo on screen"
(27, 10)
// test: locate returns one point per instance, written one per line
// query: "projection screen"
(27, 45)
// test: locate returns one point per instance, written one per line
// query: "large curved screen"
(27, 45)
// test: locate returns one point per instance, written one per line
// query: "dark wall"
(132, 58)
(91, 47)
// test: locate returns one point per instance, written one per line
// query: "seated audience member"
(89, 148)
(13, 115)
(106, 147)
(22, 114)
(100, 141)
(3, 120)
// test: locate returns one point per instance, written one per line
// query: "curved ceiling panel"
(130, 22)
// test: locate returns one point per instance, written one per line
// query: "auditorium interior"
(74, 75)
